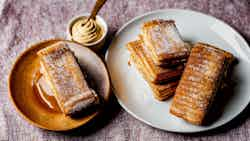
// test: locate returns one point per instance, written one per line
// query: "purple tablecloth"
(23, 22)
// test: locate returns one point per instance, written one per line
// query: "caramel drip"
(44, 97)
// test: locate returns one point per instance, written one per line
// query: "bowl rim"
(102, 22)
(24, 116)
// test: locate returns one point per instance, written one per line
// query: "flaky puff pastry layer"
(62, 72)
(164, 41)
(201, 79)
(149, 70)
(154, 73)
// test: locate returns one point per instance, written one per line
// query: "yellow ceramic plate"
(25, 100)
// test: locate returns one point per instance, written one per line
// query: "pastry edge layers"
(160, 91)
(172, 50)
(155, 74)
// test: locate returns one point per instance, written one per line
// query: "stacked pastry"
(160, 54)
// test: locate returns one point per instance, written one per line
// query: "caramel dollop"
(86, 32)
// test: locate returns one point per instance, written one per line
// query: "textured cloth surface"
(23, 22)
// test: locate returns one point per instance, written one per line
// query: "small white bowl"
(97, 45)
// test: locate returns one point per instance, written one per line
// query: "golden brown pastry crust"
(64, 75)
(164, 41)
(152, 23)
(155, 74)
(160, 91)
(199, 83)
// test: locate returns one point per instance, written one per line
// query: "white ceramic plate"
(134, 94)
